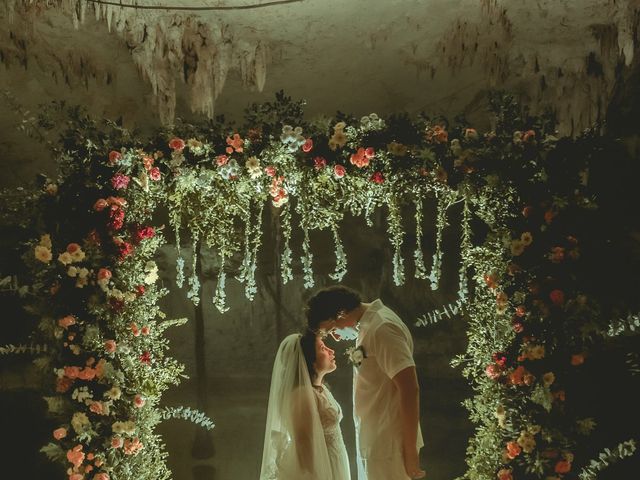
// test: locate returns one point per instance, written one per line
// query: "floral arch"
(94, 278)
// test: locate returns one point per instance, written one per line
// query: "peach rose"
(101, 476)
(59, 433)
(66, 322)
(139, 401)
(76, 456)
(116, 442)
(145, 330)
(104, 274)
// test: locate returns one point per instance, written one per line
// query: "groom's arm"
(406, 381)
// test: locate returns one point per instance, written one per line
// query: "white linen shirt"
(388, 347)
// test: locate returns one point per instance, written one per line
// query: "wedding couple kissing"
(303, 439)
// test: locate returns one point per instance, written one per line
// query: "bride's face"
(325, 358)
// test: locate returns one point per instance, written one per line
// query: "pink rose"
(135, 330)
(176, 144)
(114, 157)
(101, 476)
(110, 346)
(76, 456)
(73, 248)
(139, 401)
(270, 171)
(154, 174)
(145, 330)
(339, 171)
(222, 160)
(120, 181)
(100, 205)
(308, 145)
(59, 433)
(67, 321)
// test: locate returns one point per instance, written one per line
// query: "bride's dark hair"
(308, 345)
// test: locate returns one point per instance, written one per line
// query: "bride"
(303, 439)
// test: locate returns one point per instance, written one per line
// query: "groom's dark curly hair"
(327, 302)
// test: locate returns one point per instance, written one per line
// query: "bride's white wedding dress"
(303, 440)
(330, 417)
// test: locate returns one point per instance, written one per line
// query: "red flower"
(147, 161)
(235, 144)
(120, 181)
(513, 450)
(308, 146)
(557, 297)
(377, 178)
(114, 157)
(270, 171)
(176, 144)
(116, 218)
(499, 358)
(100, 205)
(319, 163)
(116, 305)
(518, 327)
(124, 249)
(154, 174)
(339, 171)
(521, 311)
(140, 290)
(222, 160)
(145, 358)
(526, 211)
(142, 233)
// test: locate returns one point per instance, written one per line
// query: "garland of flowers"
(210, 183)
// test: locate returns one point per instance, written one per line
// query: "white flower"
(356, 355)
(45, 241)
(80, 422)
(72, 272)
(127, 427)
(253, 167)
(113, 393)
(82, 394)
(78, 255)
(65, 258)
(151, 269)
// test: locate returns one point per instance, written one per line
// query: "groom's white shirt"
(388, 347)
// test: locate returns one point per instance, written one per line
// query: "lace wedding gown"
(330, 417)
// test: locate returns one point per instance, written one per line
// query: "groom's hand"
(412, 465)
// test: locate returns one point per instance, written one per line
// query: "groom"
(386, 392)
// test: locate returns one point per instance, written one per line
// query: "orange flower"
(563, 467)
(235, 144)
(513, 450)
(577, 359)
(59, 433)
(76, 456)
(67, 321)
